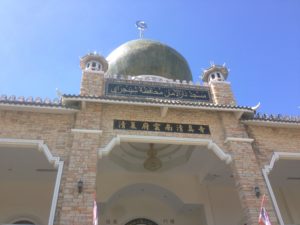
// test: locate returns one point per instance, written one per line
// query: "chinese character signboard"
(161, 127)
(125, 89)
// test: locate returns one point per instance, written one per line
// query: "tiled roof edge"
(274, 118)
(156, 101)
(30, 101)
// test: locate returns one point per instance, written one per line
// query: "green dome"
(147, 57)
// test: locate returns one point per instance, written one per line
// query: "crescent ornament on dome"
(141, 26)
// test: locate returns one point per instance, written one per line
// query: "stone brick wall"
(273, 139)
(246, 170)
(92, 83)
(77, 208)
(53, 129)
(222, 93)
(79, 150)
(142, 113)
(268, 140)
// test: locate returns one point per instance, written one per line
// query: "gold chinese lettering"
(179, 128)
(201, 129)
(161, 127)
(168, 127)
(132, 125)
(145, 126)
(190, 129)
(156, 126)
(122, 124)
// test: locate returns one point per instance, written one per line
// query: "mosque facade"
(147, 146)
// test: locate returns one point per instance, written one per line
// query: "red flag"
(95, 213)
(263, 215)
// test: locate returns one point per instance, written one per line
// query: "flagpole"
(263, 201)
(263, 218)
(95, 211)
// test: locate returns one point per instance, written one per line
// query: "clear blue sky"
(41, 42)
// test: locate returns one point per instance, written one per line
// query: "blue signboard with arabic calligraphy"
(143, 90)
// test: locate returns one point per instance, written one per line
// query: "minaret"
(93, 68)
(215, 76)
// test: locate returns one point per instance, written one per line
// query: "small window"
(213, 76)
(218, 74)
(93, 65)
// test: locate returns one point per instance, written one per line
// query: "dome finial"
(141, 26)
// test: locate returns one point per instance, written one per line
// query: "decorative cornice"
(165, 140)
(271, 120)
(157, 103)
(237, 139)
(281, 155)
(39, 144)
(283, 124)
(275, 117)
(55, 161)
(38, 104)
(35, 108)
(30, 100)
(267, 169)
(87, 131)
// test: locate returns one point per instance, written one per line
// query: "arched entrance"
(141, 221)
(189, 181)
(30, 178)
(283, 181)
(27, 222)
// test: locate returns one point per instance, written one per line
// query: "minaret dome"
(215, 73)
(93, 62)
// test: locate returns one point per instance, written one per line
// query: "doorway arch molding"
(173, 198)
(118, 139)
(266, 171)
(30, 218)
(139, 221)
(55, 161)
